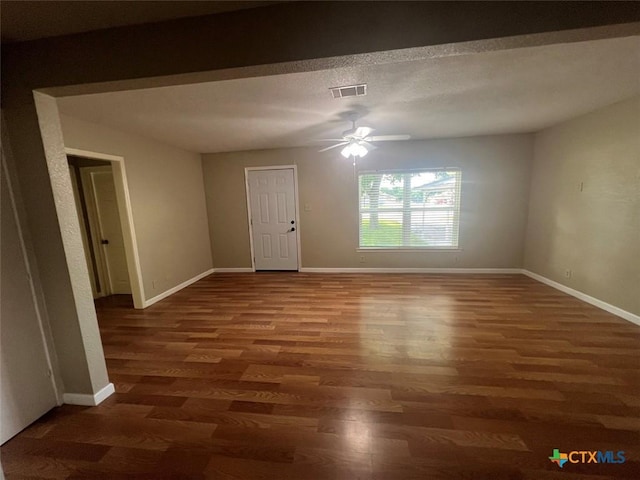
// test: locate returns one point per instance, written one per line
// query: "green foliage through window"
(411, 209)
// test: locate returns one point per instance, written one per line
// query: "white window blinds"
(409, 209)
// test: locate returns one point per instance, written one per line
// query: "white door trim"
(126, 219)
(295, 199)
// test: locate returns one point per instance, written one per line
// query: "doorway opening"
(106, 227)
(96, 202)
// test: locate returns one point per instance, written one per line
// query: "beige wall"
(167, 201)
(595, 232)
(495, 184)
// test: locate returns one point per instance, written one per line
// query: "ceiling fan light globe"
(360, 150)
(355, 150)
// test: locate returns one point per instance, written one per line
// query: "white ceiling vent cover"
(349, 91)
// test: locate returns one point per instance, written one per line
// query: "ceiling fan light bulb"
(360, 150)
(346, 151)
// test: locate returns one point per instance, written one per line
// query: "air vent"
(349, 91)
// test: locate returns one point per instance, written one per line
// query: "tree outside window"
(409, 209)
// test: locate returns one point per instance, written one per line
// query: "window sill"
(404, 249)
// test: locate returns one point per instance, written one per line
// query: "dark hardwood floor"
(315, 376)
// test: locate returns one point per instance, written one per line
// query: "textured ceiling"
(519, 90)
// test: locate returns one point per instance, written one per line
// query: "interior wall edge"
(177, 288)
(86, 400)
(84, 310)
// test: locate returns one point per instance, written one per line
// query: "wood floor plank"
(350, 376)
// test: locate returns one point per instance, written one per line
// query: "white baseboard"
(177, 288)
(412, 270)
(233, 270)
(88, 400)
(631, 317)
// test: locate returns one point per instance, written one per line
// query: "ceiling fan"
(357, 141)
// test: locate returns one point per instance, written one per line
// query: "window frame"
(404, 248)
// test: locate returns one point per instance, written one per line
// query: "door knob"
(292, 229)
(104, 242)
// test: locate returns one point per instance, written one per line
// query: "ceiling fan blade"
(370, 146)
(329, 140)
(362, 132)
(333, 146)
(388, 138)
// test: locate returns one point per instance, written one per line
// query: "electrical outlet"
(567, 273)
(361, 258)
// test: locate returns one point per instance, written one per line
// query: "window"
(409, 209)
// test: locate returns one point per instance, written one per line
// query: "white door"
(100, 193)
(26, 388)
(273, 218)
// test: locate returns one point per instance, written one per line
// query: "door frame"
(95, 225)
(295, 199)
(126, 219)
